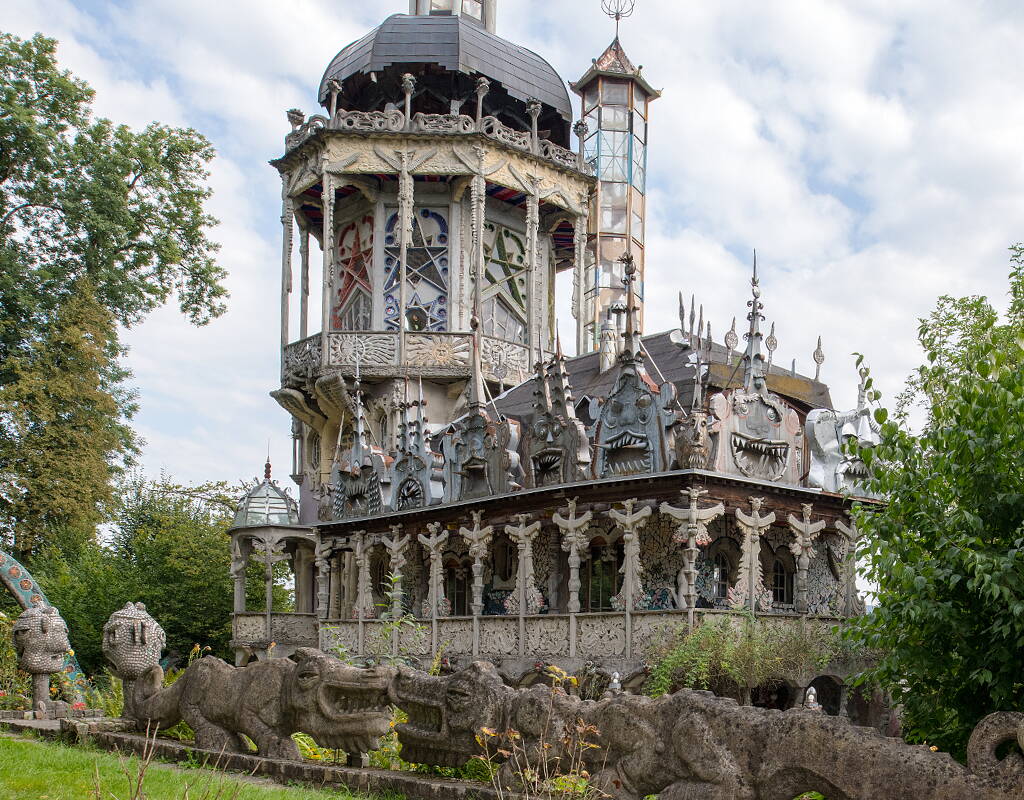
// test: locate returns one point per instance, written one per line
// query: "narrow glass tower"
(615, 100)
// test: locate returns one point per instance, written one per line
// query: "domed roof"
(266, 504)
(457, 45)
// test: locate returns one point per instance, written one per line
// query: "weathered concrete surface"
(340, 706)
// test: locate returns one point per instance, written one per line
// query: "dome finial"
(618, 10)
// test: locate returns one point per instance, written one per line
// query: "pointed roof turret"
(266, 504)
(753, 360)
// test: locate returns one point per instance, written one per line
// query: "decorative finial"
(753, 360)
(819, 359)
(618, 10)
(731, 339)
(266, 470)
(771, 343)
(629, 268)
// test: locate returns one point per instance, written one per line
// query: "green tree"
(99, 224)
(946, 552)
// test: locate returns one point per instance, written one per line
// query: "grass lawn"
(45, 771)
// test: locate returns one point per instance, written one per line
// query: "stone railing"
(394, 121)
(426, 354)
(599, 637)
(295, 630)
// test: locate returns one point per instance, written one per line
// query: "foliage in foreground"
(37, 769)
(947, 550)
(724, 654)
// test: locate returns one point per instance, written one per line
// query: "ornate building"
(453, 463)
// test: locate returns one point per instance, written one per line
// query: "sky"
(870, 150)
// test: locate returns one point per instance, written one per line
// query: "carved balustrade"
(395, 121)
(286, 629)
(302, 357)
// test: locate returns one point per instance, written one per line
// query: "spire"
(360, 448)
(632, 337)
(266, 469)
(753, 360)
(618, 10)
(559, 388)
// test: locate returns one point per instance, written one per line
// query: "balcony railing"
(395, 121)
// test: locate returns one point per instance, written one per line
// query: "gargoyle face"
(547, 450)
(340, 706)
(625, 424)
(758, 450)
(446, 714)
(410, 494)
(41, 640)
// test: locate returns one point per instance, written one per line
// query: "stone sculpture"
(694, 745)
(132, 643)
(415, 477)
(558, 450)
(357, 477)
(340, 706)
(829, 434)
(691, 533)
(41, 642)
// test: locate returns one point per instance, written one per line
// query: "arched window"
(426, 272)
(600, 579)
(456, 586)
(782, 583)
(505, 292)
(721, 576)
(352, 309)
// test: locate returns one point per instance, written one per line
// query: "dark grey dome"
(456, 45)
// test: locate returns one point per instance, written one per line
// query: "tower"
(441, 159)
(615, 100)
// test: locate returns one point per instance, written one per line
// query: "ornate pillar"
(287, 216)
(334, 604)
(853, 603)
(575, 537)
(304, 282)
(579, 276)
(483, 86)
(324, 551)
(328, 267)
(632, 587)
(271, 552)
(750, 590)
(478, 204)
(406, 200)
(396, 545)
(532, 186)
(533, 109)
(523, 535)
(479, 540)
(364, 591)
(302, 571)
(805, 532)
(435, 591)
(692, 533)
(239, 561)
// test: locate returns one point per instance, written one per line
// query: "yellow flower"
(488, 732)
(934, 749)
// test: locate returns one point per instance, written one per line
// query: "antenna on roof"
(618, 10)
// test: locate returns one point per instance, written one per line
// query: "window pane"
(472, 8)
(614, 118)
(613, 220)
(614, 169)
(639, 127)
(590, 99)
(638, 227)
(444, 6)
(613, 194)
(616, 92)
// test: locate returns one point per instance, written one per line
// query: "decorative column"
(364, 590)
(324, 551)
(435, 591)
(533, 109)
(750, 591)
(523, 535)
(271, 552)
(287, 216)
(396, 545)
(304, 281)
(632, 587)
(581, 129)
(532, 186)
(328, 266)
(479, 540)
(478, 207)
(579, 273)
(692, 533)
(853, 603)
(805, 532)
(239, 561)
(575, 537)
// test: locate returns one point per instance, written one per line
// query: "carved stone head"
(41, 640)
(558, 450)
(132, 641)
(630, 434)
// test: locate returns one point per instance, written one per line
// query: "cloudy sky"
(871, 151)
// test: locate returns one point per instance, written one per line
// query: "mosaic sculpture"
(41, 642)
(691, 744)
(132, 643)
(340, 706)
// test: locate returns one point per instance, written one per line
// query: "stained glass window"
(506, 276)
(426, 289)
(352, 308)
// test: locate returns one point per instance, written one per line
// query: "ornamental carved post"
(303, 282)
(271, 552)
(533, 108)
(239, 562)
(750, 591)
(395, 545)
(581, 129)
(805, 532)
(324, 552)
(361, 547)
(692, 533)
(408, 87)
(631, 522)
(434, 543)
(328, 266)
(287, 226)
(523, 535)
(532, 186)
(575, 537)
(483, 86)
(405, 211)
(852, 602)
(479, 540)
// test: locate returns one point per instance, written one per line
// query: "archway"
(23, 587)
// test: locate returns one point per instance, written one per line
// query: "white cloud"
(869, 149)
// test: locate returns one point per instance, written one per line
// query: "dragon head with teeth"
(630, 432)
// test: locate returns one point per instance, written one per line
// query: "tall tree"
(946, 552)
(98, 220)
